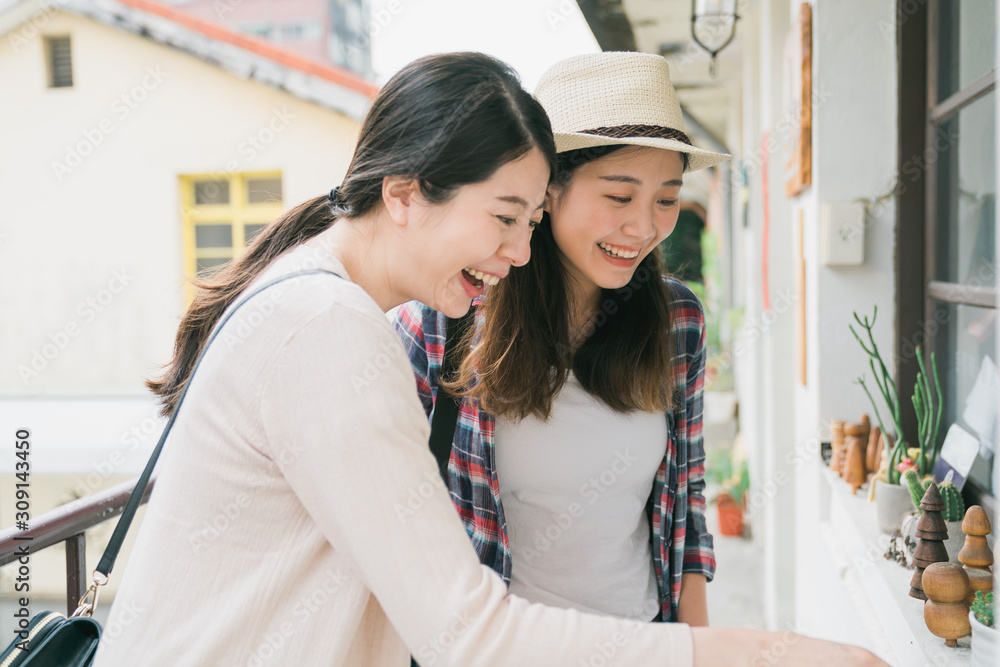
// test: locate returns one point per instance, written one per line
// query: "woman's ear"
(398, 197)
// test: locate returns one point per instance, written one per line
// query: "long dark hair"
(446, 120)
(522, 355)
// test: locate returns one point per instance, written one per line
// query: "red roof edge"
(330, 73)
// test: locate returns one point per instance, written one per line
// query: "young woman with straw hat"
(577, 465)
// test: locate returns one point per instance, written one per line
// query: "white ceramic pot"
(892, 501)
(955, 541)
(985, 644)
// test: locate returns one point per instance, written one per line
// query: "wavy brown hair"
(447, 121)
(520, 358)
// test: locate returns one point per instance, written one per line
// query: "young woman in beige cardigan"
(298, 517)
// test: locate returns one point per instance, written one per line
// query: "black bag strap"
(118, 537)
(446, 406)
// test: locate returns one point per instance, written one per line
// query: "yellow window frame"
(239, 213)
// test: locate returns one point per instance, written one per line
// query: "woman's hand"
(736, 647)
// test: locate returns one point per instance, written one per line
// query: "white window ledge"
(879, 588)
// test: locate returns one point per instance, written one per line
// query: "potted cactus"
(985, 638)
(954, 506)
(892, 497)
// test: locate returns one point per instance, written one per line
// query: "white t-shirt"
(574, 492)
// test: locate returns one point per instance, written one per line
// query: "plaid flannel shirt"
(681, 542)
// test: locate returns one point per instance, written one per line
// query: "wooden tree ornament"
(945, 612)
(975, 554)
(836, 443)
(931, 532)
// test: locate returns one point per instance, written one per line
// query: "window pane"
(213, 235)
(966, 33)
(211, 192)
(966, 352)
(263, 190)
(965, 154)
(251, 231)
(207, 263)
(60, 62)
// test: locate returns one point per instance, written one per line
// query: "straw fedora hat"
(600, 99)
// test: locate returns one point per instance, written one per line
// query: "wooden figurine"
(931, 533)
(854, 470)
(975, 554)
(873, 454)
(945, 612)
(836, 444)
(857, 431)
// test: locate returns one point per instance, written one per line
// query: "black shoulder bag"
(52, 640)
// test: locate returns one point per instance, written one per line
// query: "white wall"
(66, 236)
(854, 157)
(854, 152)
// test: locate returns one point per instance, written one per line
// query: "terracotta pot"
(892, 501)
(730, 516)
(985, 644)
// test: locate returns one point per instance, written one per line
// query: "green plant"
(916, 487)
(887, 388)
(954, 506)
(928, 412)
(983, 608)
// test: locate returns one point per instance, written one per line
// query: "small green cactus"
(954, 506)
(982, 608)
(912, 481)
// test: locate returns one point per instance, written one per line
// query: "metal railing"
(68, 524)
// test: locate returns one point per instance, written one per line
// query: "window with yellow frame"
(223, 212)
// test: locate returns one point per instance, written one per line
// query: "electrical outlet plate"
(843, 228)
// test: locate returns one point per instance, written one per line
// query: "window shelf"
(879, 588)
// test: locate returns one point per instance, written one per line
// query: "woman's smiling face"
(614, 212)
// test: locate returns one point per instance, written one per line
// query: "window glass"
(261, 190)
(966, 31)
(213, 235)
(250, 231)
(965, 180)
(211, 192)
(207, 264)
(965, 345)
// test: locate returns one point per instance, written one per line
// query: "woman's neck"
(583, 299)
(357, 245)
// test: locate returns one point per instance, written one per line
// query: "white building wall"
(854, 157)
(783, 422)
(106, 226)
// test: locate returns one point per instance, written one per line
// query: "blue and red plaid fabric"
(681, 541)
